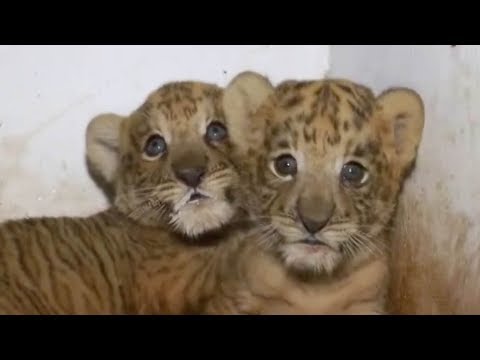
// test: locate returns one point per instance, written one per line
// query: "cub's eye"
(155, 146)
(353, 174)
(216, 131)
(285, 165)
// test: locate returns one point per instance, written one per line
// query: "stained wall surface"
(49, 94)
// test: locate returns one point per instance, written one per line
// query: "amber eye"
(216, 131)
(353, 174)
(285, 165)
(155, 146)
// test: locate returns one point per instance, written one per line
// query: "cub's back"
(64, 265)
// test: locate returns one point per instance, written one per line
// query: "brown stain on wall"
(435, 269)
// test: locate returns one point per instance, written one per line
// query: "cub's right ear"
(103, 145)
(401, 122)
(243, 96)
(246, 92)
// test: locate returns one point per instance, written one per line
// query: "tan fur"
(240, 277)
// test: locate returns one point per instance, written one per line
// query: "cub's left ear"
(103, 145)
(402, 120)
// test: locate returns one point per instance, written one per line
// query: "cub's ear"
(401, 122)
(242, 97)
(103, 145)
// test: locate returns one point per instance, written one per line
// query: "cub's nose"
(191, 176)
(315, 212)
(312, 225)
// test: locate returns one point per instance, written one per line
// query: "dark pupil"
(286, 165)
(216, 131)
(155, 146)
(353, 172)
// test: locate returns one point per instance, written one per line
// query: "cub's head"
(170, 161)
(335, 157)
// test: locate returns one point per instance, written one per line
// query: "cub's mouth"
(314, 243)
(198, 213)
(192, 197)
(196, 197)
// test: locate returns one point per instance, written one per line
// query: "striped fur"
(107, 264)
(65, 266)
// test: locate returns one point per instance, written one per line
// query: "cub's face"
(335, 160)
(170, 161)
(174, 163)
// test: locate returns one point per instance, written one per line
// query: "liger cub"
(169, 168)
(169, 163)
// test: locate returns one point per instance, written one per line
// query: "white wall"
(49, 93)
(440, 232)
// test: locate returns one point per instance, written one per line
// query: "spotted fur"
(345, 268)
(325, 125)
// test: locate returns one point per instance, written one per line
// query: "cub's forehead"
(183, 101)
(179, 106)
(178, 92)
(318, 111)
(324, 98)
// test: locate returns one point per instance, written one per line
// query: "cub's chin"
(307, 258)
(201, 216)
